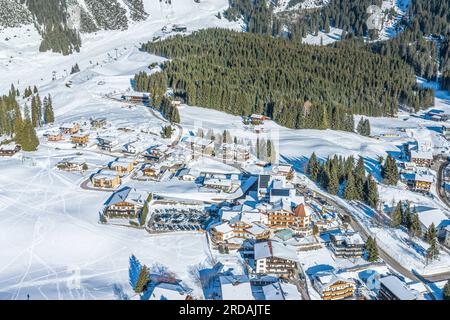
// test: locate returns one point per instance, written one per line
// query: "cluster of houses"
(270, 231)
(73, 129)
(227, 152)
(415, 171)
(255, 122)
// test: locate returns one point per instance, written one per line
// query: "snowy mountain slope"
(20, 54)
(13, 14)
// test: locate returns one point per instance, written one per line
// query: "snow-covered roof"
(256, 229)
(69, 125)
(235, 287)
(324, 279)
(228, 213)
(423, 177)
(235, 147)
(281, 291)
(80, 135)
(428, 215)
(74, 160)
(122, 162)
(428, 155)
(281, 205)
(283, 168)
(168, 291)
(398, 288)
(217, 182)
(107, 139)
(126, 194)
(223, 228)
(105, 174)
(8, 147)
(250, 217)
(350, 238)
(198, 141)
(272, 248)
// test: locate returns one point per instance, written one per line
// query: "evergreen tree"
(397, 215)
(406, 217)
(313, 167)
(433, 250)
(75, 69)
(271, 152)
(372, 249)
(258, 150)
(415, 229)
(446, 291)
(371, 192)
(144, 214)
(142, 281)
(360, 178)
(389, 171)
(34, 112)
(431, 233)
(49, 116)
(26, 136)
(333, 183)
(350, 192)
(167, 132)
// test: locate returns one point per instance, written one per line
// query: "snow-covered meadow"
(53, 246)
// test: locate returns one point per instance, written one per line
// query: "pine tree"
(397, 215)
(431, 233)
(414, 228)
(350, 188)
(258, 151)
(446, 291)
(316, 230)
(26, 136)
(372, 249)
(360, 179)
(142, 281)
(34, 112)
(143, 215)
(313, 167)
(333, 183)
(371, 192)
(49, 116)
(433, 250)
(406, 217)
(389, 171)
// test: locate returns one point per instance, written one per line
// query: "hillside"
(59, 22)
(299, 86)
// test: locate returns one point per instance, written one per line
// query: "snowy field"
(53, 246)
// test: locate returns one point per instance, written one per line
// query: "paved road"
(390, 261)
(440, 183)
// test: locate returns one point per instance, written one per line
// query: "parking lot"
(178, 219)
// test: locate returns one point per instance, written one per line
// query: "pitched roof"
(281, 291)
(235, 287)
(398, 288)
(272, 248)
(126, 194)
(301, 211)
